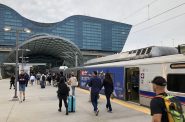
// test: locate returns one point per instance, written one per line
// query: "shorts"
(22, 87)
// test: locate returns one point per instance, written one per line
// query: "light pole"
(17, 30)
(23, 60)
(22, 57)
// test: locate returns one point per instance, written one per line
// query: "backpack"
(74, 81)
(173, 108)
(43, 78)
(49, 78)
(62, 79)
(63, 89)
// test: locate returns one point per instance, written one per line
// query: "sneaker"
(107, 108)
(59, 110)
(109, 111)
(67, 112)
(97, 112)
(23, 99)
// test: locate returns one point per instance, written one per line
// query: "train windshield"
(181, 48)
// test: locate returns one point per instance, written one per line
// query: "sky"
(155, 22)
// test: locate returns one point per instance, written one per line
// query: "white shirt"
(32, 77)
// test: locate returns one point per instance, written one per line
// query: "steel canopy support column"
(76, 59)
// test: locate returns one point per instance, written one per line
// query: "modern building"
(94, 37)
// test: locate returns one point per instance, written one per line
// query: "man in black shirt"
(157, 105)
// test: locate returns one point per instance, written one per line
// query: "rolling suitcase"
(71, 104)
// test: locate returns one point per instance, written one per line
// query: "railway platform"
(41, 105)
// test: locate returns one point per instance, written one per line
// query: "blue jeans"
(94, 100)
(73, 90)
(22, 87)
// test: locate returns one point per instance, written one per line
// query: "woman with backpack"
(63, 93)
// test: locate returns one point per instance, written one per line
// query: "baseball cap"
(159, 81)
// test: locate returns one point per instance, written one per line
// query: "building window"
(176, 82)
(91, 35)
(119, 35)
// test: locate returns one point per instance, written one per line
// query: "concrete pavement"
(41, 105)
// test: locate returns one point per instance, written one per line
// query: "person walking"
(95, 84)
(32, 79)
(53, 79)
(43, 81)
(63, 93)
(49, 79)
(157, 104)
(73, 83)
(12, 81)
(27, 78)
(22, 84)
(38, 76)
(108, 85)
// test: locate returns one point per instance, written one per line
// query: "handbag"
(112, 96)
(76, 83)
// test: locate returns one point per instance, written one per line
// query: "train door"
(132, 84)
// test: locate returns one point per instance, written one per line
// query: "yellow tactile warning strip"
(122, 103)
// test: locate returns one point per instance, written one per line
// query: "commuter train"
(132, 77)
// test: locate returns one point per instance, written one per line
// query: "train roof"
(152, 51)
(154, 60)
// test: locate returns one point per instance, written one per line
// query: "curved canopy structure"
(50, 49)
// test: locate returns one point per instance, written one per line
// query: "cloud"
(56, 10)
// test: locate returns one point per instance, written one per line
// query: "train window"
(181, 48)
(149, 50)
(134, 51)
(138, 52)
(143, 51)
(176, 82)
(177, 66)
(129, 52)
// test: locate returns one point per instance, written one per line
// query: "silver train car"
(132, 77)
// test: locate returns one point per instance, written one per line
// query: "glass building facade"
(88, 33)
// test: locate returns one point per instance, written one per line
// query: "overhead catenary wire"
(164, 12)
(140, 9)
(174, 17)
